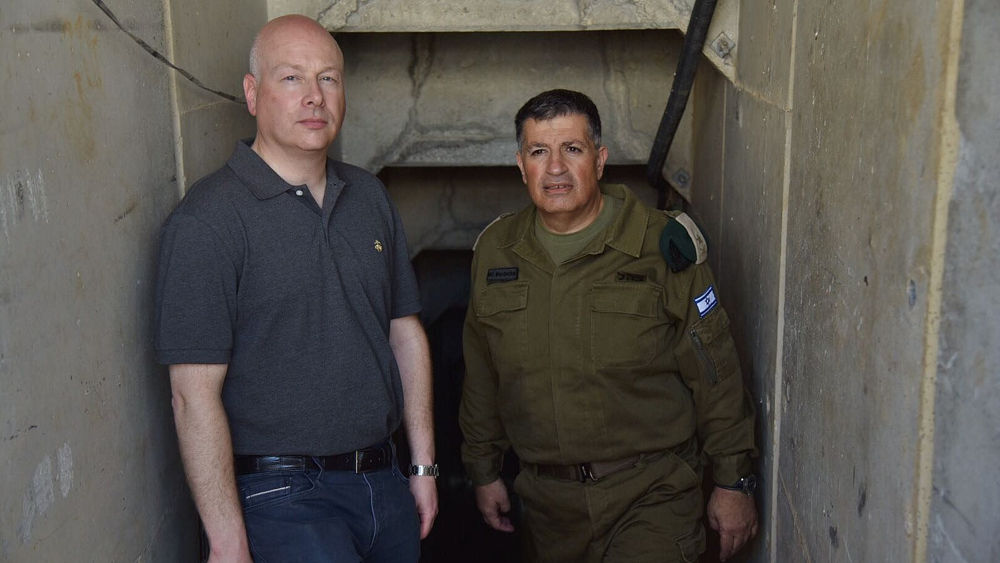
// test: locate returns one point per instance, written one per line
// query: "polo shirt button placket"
(299, 193)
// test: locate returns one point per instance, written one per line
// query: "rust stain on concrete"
(914, 87)
(79, 122)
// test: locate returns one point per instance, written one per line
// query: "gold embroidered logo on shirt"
(378, 245)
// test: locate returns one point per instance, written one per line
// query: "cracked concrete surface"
(489, 15)
(447, 99)
(361, 16)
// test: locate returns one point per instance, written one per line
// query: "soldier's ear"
(602, 157)
(520, 165)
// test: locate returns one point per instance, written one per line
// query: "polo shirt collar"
(262, 181)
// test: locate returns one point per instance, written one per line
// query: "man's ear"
(602, 157)
(521, 166)
(250, 92)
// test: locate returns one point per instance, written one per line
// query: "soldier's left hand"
(734, 515)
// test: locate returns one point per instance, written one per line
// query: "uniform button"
(298, 193)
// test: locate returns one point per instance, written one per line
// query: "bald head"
(292, 26)
(295, 89)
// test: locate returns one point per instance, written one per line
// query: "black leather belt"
(358, 461)
(596, 470)
(590, 471)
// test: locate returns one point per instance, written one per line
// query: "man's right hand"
(494, 503)
(237, 553)
(207, 452)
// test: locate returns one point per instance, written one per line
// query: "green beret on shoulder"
(682, 243)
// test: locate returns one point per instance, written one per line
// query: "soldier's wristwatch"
(424, 470)
(746, 485)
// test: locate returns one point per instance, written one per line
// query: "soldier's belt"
(583, 472)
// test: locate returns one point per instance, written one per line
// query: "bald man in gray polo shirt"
(286, 310)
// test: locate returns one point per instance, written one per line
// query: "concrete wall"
(964, 514)
(88, 137)
(856, 223)
(211, 40)
(88, 461)
(488, 15)
(737, 197)
(482, 16)
(449, 99)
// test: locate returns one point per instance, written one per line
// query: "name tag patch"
(706, 301)
(495, 275)
(625, 276)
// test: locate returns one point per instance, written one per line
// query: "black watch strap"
(746, 485)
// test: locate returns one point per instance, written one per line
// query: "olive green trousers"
(649, 513)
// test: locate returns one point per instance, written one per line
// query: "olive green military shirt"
(607, 355)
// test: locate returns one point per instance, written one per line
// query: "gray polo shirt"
(295, 298)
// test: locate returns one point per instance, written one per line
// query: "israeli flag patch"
(706, 301)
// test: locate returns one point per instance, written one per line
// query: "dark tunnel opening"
(459, 533)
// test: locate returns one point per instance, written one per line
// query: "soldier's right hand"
(494, 503)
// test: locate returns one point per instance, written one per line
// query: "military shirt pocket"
(502, 310)
(714, 346)
(627, 328)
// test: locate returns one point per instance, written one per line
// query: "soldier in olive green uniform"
(609, 373)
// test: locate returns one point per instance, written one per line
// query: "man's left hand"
(424, 489)
(734, 515)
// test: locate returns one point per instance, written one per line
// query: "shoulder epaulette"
(682, 243)
(499, 217)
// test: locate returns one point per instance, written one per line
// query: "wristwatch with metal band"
(746, 485)
(424, 470)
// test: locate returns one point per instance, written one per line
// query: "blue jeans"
(316, 516)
